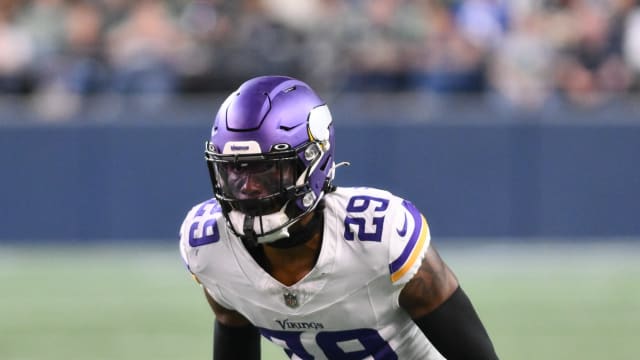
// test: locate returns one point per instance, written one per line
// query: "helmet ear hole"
(308, 199)
(311, 152)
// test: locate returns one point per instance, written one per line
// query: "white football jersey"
(346, 307)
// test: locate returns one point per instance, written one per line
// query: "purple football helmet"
(270, 156)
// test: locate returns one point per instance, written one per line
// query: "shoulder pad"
(390, 232)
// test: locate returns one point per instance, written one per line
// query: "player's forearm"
(235, 342)
(455, 329)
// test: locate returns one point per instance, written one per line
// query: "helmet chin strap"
(280, 238)
(254, 226)
(302, 234)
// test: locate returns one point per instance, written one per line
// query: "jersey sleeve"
(199, 228)
(410, 241)
(183, 236)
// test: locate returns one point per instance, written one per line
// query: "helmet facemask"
(262, 195)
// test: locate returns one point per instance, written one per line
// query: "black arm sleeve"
(235, 343)
(455, 329)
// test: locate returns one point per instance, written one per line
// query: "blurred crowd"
(523, 53)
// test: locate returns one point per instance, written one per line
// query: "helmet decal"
(319, 121)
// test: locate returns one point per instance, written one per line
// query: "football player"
(325, 272)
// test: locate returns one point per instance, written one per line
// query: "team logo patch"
(291, 300)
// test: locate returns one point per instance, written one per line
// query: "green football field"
(543, 301)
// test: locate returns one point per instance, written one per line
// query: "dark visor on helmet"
(255, 185)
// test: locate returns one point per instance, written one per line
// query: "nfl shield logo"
(291, 300)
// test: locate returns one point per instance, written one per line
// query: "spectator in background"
(631, 39)
(590, 68)
(258, 44)
(83, 70)
(206, 24)
(580, 53)
(451, 61)
(114, 12)
(521, 67)
(44, 21)
(142, 53)
(324, 49)
(378, 33)
(78, 69)
(16, 51)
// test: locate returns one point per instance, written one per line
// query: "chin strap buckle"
(250, 237)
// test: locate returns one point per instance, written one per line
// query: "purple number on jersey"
(347, 344)
(359, 204)
(204, 229)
